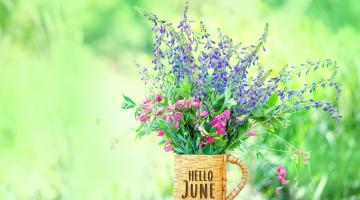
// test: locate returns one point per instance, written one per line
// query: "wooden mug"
(204, 177)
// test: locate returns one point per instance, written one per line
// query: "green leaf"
(179, 150)
(271, 110)
(128, 103)
(233, 145)
(198, 139)
(230, 103)
(162, 141)
(259, 155)
(273, 99)
(220, 144)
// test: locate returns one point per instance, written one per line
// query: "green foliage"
(128, 103)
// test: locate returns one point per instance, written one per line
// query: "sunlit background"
(64, 66)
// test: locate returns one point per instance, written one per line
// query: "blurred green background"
(64, 66)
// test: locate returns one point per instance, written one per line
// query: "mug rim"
(199, 154)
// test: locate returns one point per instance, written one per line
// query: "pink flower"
(201, 144)
(281, 171)
(169, 117)
(221, 131)
(196, 103)
(219, 125)
(176, 124)
(199, 127)
(203, 114)
(178, 116)
(171, 107)
(179, 104)
(226, 114)
(277, 190)
(146, 105)
(209, 139)
(146, 101)
(214, 121)
(159, 111)
(142, 117)
(282, 180)
(187, 104)
(252, 133)
(147, 108)
(168, 148)
(281, 175)
(158, 97)
(160, 132)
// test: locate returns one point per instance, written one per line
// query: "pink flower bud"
(277, 190)
(171, 107)
(226, 114)
(221, 131)
(168, 148)
(201, 144)
(203, 114)
(252, 133)
(158, 97)
(142, 117)
(196, 103)
(209, 139)
(160, 132)
(187, 104)
(159, 111)
(281, 171)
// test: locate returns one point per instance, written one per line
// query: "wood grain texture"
(203, 164)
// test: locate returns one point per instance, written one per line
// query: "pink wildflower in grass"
(252, 133)
(158, 98)
(281, 175)
(277, 190)
(209, 139)
(143, 117)
(203, 114)
(159, 111)
(281, 171)
(160, 132)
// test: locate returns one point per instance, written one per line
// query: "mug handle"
(240, 186)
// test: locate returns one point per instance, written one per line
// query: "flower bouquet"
(209, 94)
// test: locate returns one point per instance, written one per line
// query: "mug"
(204, 177)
